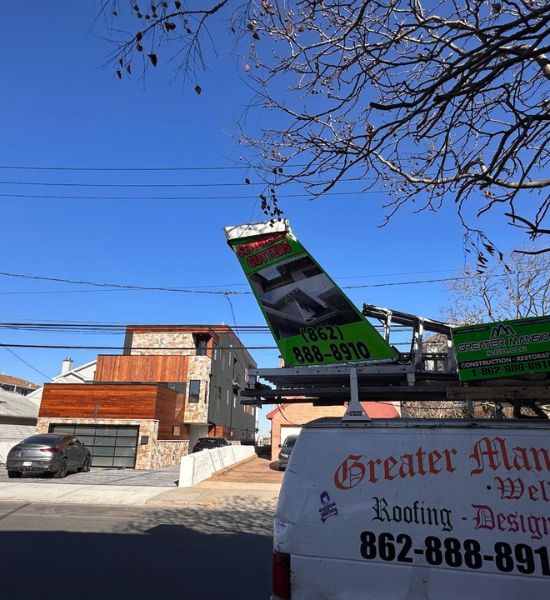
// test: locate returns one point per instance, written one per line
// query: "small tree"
(432, 100)
(521, 290)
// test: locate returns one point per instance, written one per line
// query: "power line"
(155, 169)
(122, 327)
(27, 363)
(219, 197)
(120, 286)
(127, 169)
(226, 285)
(175, 348)
(104, 329)
(162, 185)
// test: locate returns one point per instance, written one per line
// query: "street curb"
(205, 499)
(105, 495)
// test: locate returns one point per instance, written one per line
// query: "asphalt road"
(110, 553)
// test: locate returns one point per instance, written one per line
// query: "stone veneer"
(153, 455)
(165, 340)
(168, 452)
(199, 368)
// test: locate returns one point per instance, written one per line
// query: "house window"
(201, 344)
(194, 390)
(218, 393)
(215, 351)
(176, 430)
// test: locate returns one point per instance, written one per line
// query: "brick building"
(288, 419)
(147, 407)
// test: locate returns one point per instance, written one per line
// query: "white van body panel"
(411, 510)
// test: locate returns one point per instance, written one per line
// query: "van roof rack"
(427, 372)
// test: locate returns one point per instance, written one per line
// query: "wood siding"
(99, 401)
(124, 401)
(141, 368)
(170, 410)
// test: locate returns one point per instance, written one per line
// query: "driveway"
(254, 471)
(166, 477)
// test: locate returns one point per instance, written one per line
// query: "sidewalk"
(247, 485)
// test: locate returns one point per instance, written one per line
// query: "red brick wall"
(296, 415)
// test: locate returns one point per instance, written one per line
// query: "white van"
(415, 510)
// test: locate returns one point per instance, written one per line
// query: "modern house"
(146, 407)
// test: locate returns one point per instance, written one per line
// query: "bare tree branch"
(432, 100)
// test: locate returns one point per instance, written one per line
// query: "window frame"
(191, 394)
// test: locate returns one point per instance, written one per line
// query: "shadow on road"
(167, 561)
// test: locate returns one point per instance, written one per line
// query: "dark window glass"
(103, 451)
(110, 445)
(194, 390)
(104, 441)
(44, 439)
(103, 461)
(126, 432)
(290, 441)
(208, 443)
(201, 343)
(63, 429)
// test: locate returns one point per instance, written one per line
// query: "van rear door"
(413, 510)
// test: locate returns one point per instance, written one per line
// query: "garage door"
(110, 445)
(286, 431)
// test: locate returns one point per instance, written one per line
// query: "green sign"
(311, 319)
(504, 349)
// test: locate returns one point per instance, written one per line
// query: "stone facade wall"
(199, 368)
(153, 455)
(165, 340)
(168, 452)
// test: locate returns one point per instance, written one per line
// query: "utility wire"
(128, 169)
(219, 197)
(121, 286)
(27, 363)
(193, 348)
(73, 347)
(162, 185)
(153, 169)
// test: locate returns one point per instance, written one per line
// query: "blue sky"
(61, 107)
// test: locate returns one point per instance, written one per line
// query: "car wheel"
(62, 471)
(14, 474)
(85, 465)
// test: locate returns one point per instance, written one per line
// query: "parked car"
(208, 443)
(286, 451)
(49, 453)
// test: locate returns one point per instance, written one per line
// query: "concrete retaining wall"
(201, 465)
(5, 447)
